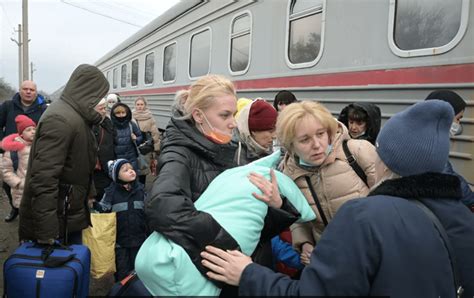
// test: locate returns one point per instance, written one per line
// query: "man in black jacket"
(25, 102)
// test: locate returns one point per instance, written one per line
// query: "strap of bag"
(447, 243)
(353, 162)
(315, 198)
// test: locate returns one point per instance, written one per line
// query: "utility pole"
(32, 69)
(19, 44)
(25, 40)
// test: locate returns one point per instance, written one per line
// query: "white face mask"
(456, 129)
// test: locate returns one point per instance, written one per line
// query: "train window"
(304, 33)
(114, 79)
(426, 27)
(123, 76)
(149, 68)
(240, 43)
(135, 72)
(169, 63)
(200, 53)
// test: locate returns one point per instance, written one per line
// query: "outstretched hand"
(225, 266)
(270, 193)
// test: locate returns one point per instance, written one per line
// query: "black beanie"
(450, 97)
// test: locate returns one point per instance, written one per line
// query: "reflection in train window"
(200, 53)
(421, 24)
(123, 76)
(304, 40)
(114, 79)
(135, 72)
(149, 68)
(240, 43)
(169, 63)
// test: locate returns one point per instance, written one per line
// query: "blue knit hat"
(416, 140)
(114, 168)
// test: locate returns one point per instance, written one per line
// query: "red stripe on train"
(445, 74)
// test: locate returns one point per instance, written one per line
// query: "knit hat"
(22, 122)
(114, 168)
(416, 140)
(262, 116)
(450, 97)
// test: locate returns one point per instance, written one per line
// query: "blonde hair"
(142, 99)
(295, 113)
(201, 94)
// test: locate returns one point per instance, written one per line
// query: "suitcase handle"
(52, 262)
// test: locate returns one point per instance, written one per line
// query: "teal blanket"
(166, 269)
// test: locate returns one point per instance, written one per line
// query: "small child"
(127, 135)
(125, 196)
(17, 152)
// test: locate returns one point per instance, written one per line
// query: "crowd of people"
(359, 179)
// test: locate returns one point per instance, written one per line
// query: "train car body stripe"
(444, 74)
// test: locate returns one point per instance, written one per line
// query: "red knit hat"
(262, 116)
(22, 122)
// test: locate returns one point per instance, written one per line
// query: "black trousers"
(125, 261)
(8, 191)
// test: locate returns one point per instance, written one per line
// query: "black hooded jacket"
(373, 123)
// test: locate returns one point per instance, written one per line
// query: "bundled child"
(17, 152)
(125, 196)
(127, 135)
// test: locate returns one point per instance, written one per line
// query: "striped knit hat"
(114, 168)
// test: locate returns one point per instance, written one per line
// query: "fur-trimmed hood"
(13, 142)
(423, 186)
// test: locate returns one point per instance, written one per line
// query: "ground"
(9, 241)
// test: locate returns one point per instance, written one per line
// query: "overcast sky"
(66, 33)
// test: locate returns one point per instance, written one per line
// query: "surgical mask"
(215, 135)
(328, 149)
(456, 129)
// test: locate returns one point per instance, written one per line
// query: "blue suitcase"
(46, 271)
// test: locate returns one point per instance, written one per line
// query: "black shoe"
(12, 215)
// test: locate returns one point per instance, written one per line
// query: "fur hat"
(22, 122)
(450, 97)
(262, 116)
(416, 140)
(114, 168)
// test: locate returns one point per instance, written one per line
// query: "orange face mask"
(215, 135)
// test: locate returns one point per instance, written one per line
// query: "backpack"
(353, 162)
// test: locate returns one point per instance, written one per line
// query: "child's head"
(121, 113)
(26, 127)
(121, 171)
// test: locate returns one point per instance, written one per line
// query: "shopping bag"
(100, 238)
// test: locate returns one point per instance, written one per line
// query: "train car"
(389, 52)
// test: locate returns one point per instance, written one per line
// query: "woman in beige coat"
(146, 123)
(313, 138)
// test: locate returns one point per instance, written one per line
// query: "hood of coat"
(373, 125)
(13, 142)
(180, 132)
(244, 135)
(83, 91)
(294, 169)
(128, 118)
(142, 115)
(422, 186)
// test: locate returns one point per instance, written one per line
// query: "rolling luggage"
(47, 271)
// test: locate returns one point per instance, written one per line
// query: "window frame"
(426, 51)
(121, 75)
(287, 35)
(138, 73)
(144, 69)
(176, 63)
(115, 78)
(244, 71)
(210, 52)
